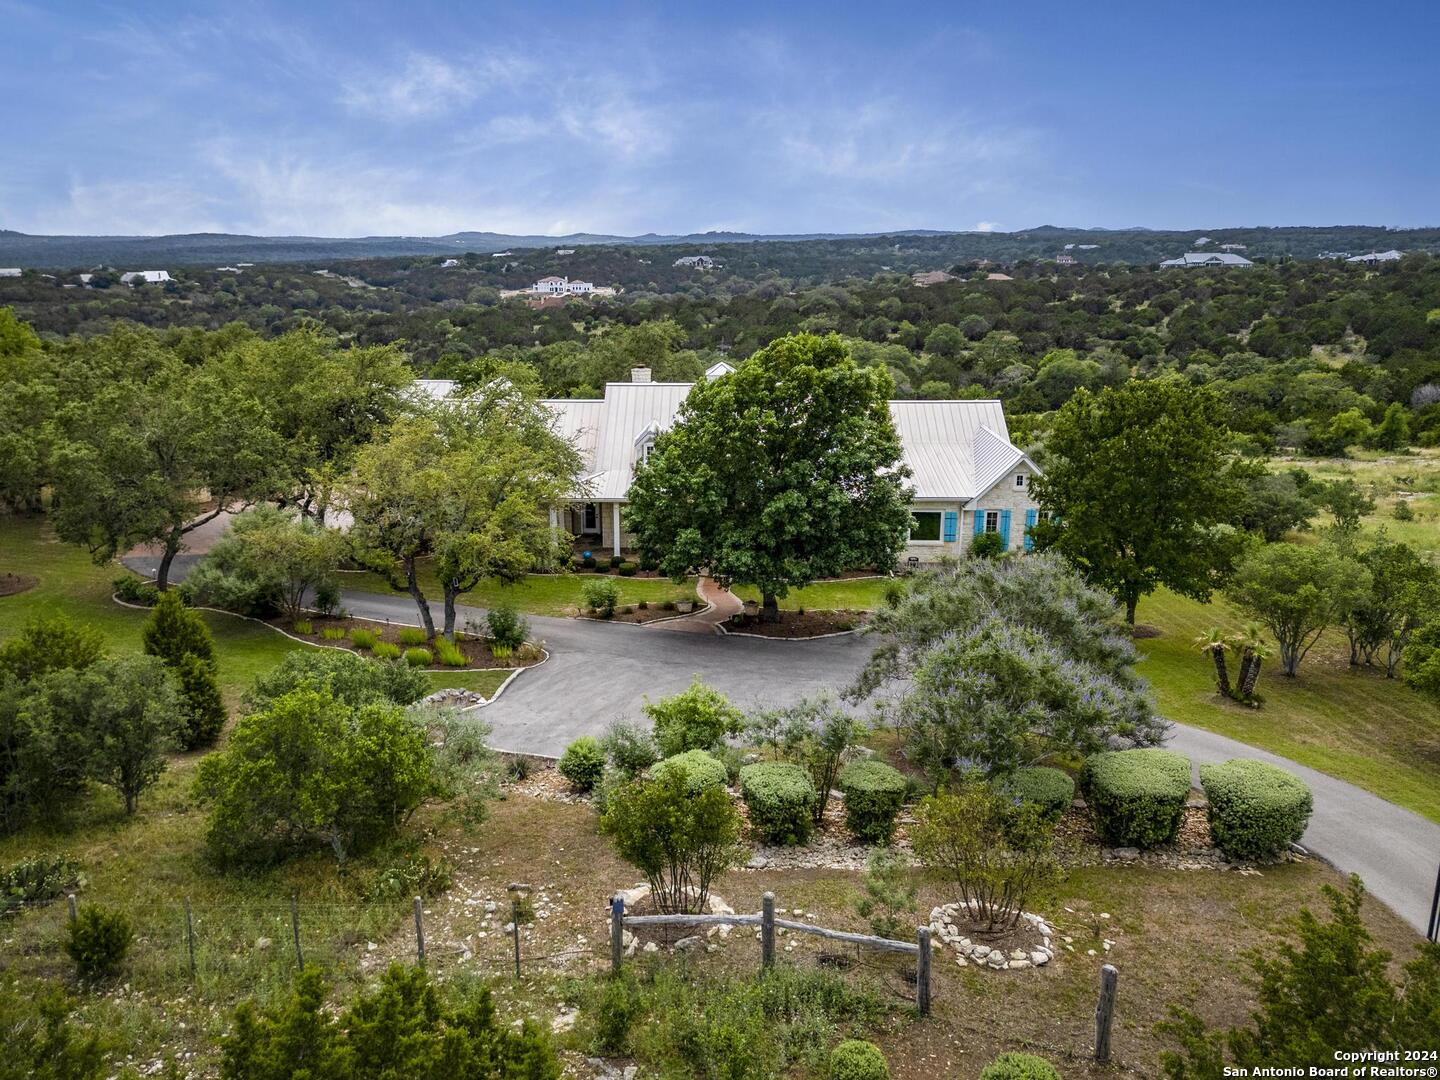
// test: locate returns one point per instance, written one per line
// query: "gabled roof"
(956, 450)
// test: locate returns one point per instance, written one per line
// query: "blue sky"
(421, 118)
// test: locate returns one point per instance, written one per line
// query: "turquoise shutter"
(1030, 518)
(979, 522)
(952, 526)
(1005, 527)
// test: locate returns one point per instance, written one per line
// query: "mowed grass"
(839, 594)
(1357, 725)
(537, 594)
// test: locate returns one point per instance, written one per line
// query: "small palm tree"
(1214, 642)
(1253, 650)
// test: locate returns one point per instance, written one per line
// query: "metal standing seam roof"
(956, 450)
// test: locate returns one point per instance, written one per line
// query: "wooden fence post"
(767, 930)
(922, 972)
(190, 937)
(419, 931)
(71, 901)
(1105, 1012)
(295, 928)
(617, 933)
(515, 928)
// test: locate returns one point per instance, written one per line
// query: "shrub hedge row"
(703, 770)
(874, 793)
(781, 799)
(1137, 796)
(1256, 809)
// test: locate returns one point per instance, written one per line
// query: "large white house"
(151, 277)
(1377, 257)
(1208, 258)
(968, 477)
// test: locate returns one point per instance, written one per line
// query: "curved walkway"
(599, 672)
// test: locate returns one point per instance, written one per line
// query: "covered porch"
(596, 524)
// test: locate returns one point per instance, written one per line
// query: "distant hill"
(1090, 245)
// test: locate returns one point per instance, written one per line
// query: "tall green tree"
(467, 482)
(786, 470)
(153, 456)
(1140, 489)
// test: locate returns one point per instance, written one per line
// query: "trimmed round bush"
(703, 770)
(1256, 809)
(855, 1059)
(583, 762)
(1137, 796)
(781, 799)
(1050, 789)
(627, 569)
(99, 941)
(874, 793)
(1019, 1067)
(418, 657)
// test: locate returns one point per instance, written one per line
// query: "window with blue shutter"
(952, 526)
(979, 522)
(1005, 527)
(1030, 518)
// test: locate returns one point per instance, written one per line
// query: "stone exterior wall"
(1003, 496)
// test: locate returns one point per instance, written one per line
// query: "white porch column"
(615, 530)
(554, 519)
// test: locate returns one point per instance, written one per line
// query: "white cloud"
(425, 86)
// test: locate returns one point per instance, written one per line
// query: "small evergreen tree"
(203, 703)
(173, 630)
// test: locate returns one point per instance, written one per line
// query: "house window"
(925, 527)
(992, 520)
(1020, 480)
(645, 449)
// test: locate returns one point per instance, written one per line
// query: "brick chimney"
(639, 374)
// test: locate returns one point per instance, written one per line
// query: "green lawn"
(70, 583)
(538, 594)
(1356, 725)
(841, 594)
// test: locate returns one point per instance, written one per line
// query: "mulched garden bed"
(13, 584)
(476, 651)
(797, 624)
(634, 613)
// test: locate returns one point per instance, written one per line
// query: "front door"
(590, 519)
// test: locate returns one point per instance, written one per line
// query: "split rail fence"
(768, 923)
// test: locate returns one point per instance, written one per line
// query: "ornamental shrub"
(1050, 789)
(855, 1059)
(172, 630)
(98, 942)
(343, 675)
(615, 561)
(304, 627)
(332, 633)
(1015, 1066)
(363, 639)
(1256, 809)
(134, 590)
(385, 650)
(874, 793)
(449, 653)
(49, 643)
(419, 658)
(1137, 796)
(503, 626)
(781, 799)
(702, 770)
(629, 747)
(627, 569)
(411, 635)
(583, 762)
(697, 718)
(601, 596)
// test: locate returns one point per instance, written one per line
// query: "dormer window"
(1019, 480)
(645, 441)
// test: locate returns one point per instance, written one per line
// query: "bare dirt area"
(14, 584)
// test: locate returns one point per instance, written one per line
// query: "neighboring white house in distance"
(1232, 247)
(148, 277)
(1377, 257)
(1065, 259)
(449, 263)
(968, 476)
(1208, 258)
(10, 271)
(699, 262)
(559, 286)
(926, 278)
